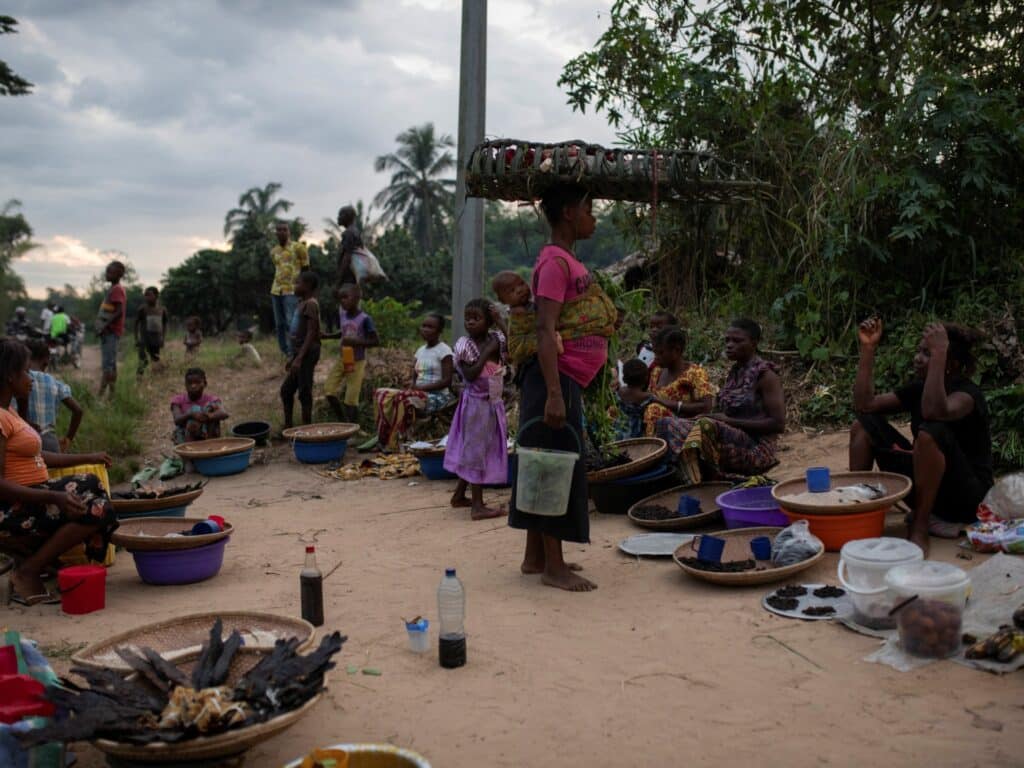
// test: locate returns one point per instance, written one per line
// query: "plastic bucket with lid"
(930, 623)
(863, 564)
(83, 588)
(544, 477)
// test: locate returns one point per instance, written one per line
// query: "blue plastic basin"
(320, 453)
(219, 466)
(432, 468)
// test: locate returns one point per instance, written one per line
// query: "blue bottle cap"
(449, 571)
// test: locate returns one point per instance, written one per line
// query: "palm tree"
(256, 206)
(417, 194)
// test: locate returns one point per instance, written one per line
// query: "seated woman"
(430, 391)
(197, 414)
(40, 518)
(950, 458)
(738, 439)
(678, 387)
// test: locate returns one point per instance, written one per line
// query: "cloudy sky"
(148, 119)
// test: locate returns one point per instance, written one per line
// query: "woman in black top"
(950, 458)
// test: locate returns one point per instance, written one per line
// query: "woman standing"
(740, 438)
(552, 383)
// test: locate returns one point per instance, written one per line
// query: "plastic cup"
(204, 527)
(761, 546)
(818, 480)
(688, 506)
(419, 636)
(218, 520)
(710, 549)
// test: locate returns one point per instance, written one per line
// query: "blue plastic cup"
(710, 549)
(204, 527)
(761, 546)
(818, 480)
(688, 506)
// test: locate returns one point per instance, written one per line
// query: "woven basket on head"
(149, 534)
(327, 432)
(643, 452)
(896, 488)
(211, 449)
(737, 547)
(512, 169)
(131, 506)
(706, 492)
(178, 637)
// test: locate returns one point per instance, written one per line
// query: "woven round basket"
(737, 547)
(130, 506)
(327, 432)
(224, 744)
(706, 492)
(643, 452)
(211, 449)
(149, 534)
(178, 637)
(896, 488)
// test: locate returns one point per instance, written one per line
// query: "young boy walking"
(110, 325)
(41, 406)
(357, 333)
(305, 340)
(150, 329)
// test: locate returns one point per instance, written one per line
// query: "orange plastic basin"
(836, 530)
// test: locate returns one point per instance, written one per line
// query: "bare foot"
(533, 568)
(27, 586)
(486, 513)
(461, 501)
(569, 581)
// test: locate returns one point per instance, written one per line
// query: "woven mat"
(386, 467)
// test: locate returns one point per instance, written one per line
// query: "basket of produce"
(625, 458)
(155, 502)
(182, 636)
(667, 511)
(851, 493)
(219, 456)
(320, 443)
(512, 169)
(737, 565)
(164, 714)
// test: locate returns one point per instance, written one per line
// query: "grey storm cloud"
(149, 119)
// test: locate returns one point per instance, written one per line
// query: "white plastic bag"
(1004, 500)
(795, 544)
(366, 267)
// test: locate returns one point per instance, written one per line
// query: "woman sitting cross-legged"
(950, 458)
(40, 518)
(739, 438)
(679, 387)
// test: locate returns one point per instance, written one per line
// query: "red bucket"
(83, 588)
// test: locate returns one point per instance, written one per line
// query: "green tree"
(15, 241)
(420, 192)
(257, 208)
(11, 84)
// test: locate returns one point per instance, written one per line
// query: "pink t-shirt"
(583, 358)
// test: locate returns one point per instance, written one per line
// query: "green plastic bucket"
(544, 479)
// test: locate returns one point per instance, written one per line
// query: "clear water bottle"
(311, 590)
(451, 613)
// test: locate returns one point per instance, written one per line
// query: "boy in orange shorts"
(357, 332)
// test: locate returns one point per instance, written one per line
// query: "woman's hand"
(870, 333)
(70, 504)
(554, 411)
(936, 338)
(99, 458)
(495, 313)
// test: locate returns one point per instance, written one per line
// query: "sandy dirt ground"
(651, 669)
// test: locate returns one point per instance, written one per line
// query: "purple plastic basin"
(750, 508)
(181, 566)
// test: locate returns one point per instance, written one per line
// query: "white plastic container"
(863, 565)
(930, 625)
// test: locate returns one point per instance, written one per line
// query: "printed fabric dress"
(477, 449)
(691, 386)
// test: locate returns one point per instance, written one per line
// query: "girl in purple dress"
(477, 448)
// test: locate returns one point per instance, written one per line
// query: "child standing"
(150, 329)
(477, 448)
(193, 336)
(197, 414)
(43, 402)
(657, 321)
(305, 341)
(110, 325)
(357, 333)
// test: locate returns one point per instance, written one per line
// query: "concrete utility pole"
(468, 259)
